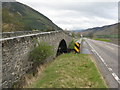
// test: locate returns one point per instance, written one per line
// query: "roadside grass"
(70, 71)
(102, 39)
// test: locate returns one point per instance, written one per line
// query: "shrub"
(41, 52)
(71, 45)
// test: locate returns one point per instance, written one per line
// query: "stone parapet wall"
(18, 33)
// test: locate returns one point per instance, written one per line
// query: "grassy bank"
(102, 39)
(70, 71)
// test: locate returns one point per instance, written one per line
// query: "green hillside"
(19, 17)
(108, 31)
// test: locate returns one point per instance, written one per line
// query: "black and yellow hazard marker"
(77, 47)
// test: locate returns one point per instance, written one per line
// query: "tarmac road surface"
(106, 57)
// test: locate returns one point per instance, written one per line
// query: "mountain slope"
(19, 17)
(102, 31)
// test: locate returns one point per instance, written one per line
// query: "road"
(106, 57)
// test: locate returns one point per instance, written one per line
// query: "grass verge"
(101, 39)
(70, 71)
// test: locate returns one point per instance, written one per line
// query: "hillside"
(19, 17)
(107, 30)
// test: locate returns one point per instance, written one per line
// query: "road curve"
(107, 60)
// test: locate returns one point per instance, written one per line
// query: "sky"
(77, 14)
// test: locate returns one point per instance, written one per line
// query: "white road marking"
(116, 77)
(107, 43)
(112, 44)
(99, 42)
(110, 69)
(107, 46)
(110, 47)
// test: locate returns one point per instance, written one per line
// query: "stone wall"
(17, 33)
(15, 53)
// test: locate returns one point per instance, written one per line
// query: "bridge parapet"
(16, 36)
(18, 33)
(21, 33)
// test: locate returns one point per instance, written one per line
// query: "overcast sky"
(77, 14)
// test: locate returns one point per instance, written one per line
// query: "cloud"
(74, 14)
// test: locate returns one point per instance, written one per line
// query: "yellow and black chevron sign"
(77, 47)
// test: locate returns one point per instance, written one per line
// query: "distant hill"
(77, 30)
(102, 31)
(19, 17)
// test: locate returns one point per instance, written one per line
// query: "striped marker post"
(77, 47)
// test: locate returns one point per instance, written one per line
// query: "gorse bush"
(41, 52)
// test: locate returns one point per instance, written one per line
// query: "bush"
(41, 52)
(71, 45)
